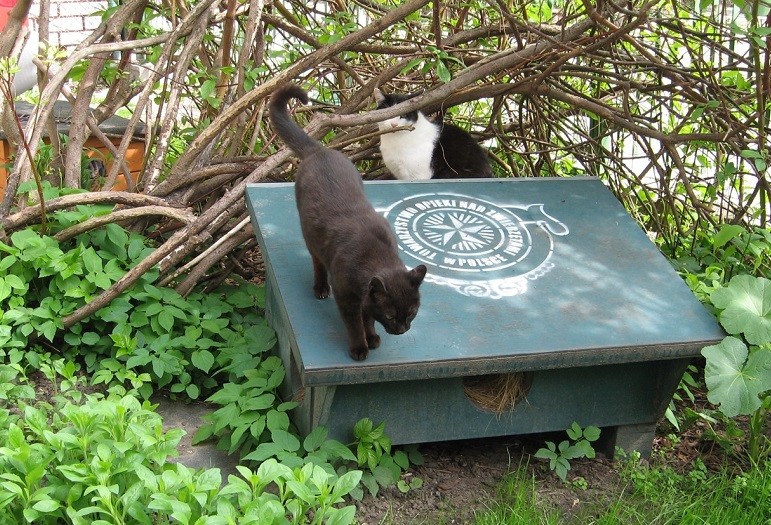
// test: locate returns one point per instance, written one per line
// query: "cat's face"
(386, 101)
(394, 299)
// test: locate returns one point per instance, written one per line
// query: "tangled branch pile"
(667, 104)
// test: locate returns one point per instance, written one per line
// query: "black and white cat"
(347, 238)
(432, 150)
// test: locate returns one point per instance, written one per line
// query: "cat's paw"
(321, 292)
(358, 353)
(373, 341)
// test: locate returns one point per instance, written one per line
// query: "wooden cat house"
(545, 281)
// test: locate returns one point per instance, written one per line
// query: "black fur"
(352, 246)
(455, 154)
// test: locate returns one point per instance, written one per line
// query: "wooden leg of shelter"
(627, 438)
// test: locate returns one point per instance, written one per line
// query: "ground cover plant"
(104, 460)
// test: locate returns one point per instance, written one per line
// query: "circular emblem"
(472, 245)
(460, 234)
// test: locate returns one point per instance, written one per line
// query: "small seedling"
(409, 483)
(382, 466)
(579, 446)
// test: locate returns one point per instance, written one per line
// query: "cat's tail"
(292, 134)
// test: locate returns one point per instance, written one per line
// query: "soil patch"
(461, 477)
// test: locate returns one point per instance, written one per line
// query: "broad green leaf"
(592, 433)
(263, 452)
(573, 451)
(91, 261)
(276, 378)
(384, 476)
(209, 479)
(726, 233)
(261, 338)
(285, 440)
(192, 391)
(287, 405)
(335, 449)
(136, 248)
(416, 458)
(229, 393)
(346, 483)
(746, 305)
(362, 428)
(401, 459)
(241, 299)
(301, 491)
(48, 329)
(223, 416)
(208, 87)
(315, 439)
(257, 427)
(166, 320)
(159, 367)
(26, 238)
(585, 449)
(443, 72)
(343, 516)
(46, 505)
(202, 434)
(5, 288)
(561, 467)
(369, 481)
(12, 488)
(236, 436)
(271, 470)
(547, 453)
(16, 282)
(90, 338)
(118, 239)
(260, 402)
(278, 420)
(202, 359)
(575, 432)
(734, 381)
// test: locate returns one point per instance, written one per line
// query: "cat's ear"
(377, 286)
(417, 274)
(378, 96)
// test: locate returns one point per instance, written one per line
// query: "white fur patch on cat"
(407, 154)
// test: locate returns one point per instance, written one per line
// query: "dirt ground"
(460, 478)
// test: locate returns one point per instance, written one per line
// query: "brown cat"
(347, 237)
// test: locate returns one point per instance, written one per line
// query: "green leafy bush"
(738, 369)
(81, 462)
(148, 338)
(106, 461)
(251, 414)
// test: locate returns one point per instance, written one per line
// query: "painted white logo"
(477, 247)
